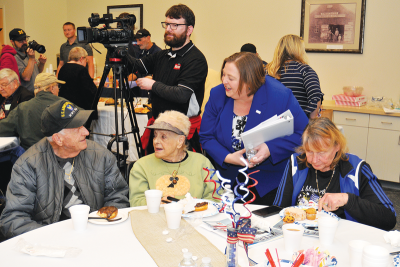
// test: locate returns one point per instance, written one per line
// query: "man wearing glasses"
(179, 73)
(28, 66)
(11, 92)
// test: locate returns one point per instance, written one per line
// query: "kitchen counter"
(330, 105)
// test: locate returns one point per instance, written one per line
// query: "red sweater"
(7, 59)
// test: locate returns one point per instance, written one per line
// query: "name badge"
(7, 106)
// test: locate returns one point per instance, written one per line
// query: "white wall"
(223, 26)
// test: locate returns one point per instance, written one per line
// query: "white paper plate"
(308, 223)
(211, 211)
(122, 215)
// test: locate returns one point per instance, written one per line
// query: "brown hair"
(69, 23)
(319, 134)
(251, 71)
(181, 11)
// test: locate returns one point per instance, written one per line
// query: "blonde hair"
(290, 47)
(322, 133)
(77, 53)
(9, 74)
(251, 71)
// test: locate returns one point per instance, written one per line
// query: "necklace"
(316, 178)
(174, 180)
(69, 174)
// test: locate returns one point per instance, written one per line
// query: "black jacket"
(20, 95)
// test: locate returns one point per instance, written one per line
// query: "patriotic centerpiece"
(241, 225)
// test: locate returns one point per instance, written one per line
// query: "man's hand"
(31, 53)
(262, 154)
(332, 201)
(234, 158)
(145, 83)
(42, 59)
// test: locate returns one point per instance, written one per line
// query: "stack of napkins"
(355, 101)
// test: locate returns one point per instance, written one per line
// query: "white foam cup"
(79, 216)
(153, 199)
(375, 256)
(356, 250)
(173, 213)
(292, 235)
(327, 228)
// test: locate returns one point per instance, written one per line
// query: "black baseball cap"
(63, 115)
(17, 34)
(249, 48)
(142, 33)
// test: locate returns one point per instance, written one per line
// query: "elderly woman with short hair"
(79, 88)
(171, 168)
(322, 174)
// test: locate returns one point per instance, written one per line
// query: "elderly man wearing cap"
(146, 46)
(24, 121)
(171, 168)
(60, 171)
(28, 66)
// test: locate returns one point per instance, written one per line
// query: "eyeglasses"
(5, 85)
(173, 26)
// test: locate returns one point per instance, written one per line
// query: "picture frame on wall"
(333, 26)
(136, 10)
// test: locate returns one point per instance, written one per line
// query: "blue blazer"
(272, 98)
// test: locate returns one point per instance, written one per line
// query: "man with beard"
(179, 73)
(28, 66)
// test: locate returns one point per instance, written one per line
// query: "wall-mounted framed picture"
(136, 10)
(333, 26)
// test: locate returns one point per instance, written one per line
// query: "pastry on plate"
(108, 212)
(311, 214)
(298, 214)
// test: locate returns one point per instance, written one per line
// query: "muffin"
(311, 214)
(288, 219)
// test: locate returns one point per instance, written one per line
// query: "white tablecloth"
(116, 245)
(7, 143)
(106, 125)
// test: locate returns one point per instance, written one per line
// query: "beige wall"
(222, 26)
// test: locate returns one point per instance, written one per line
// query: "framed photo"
(136, 10)
(333, 26)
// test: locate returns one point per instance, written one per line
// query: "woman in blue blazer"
(245, 99)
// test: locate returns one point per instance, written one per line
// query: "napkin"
(45, 250)
(392, 237)
(260, 223)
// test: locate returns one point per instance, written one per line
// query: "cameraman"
(179, 74)
(28, 66)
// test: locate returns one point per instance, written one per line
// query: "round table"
(116, 245)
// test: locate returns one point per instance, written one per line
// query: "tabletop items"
(46, 250)
(153, 199)
(79, 216)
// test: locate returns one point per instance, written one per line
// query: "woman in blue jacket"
(245, 99)
(324, 175)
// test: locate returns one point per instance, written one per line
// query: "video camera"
(37, 47)
(107, 36)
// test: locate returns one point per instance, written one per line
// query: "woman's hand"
(262, 154)
(234, 158)
(332, 201)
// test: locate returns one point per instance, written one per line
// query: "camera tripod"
(116, 64)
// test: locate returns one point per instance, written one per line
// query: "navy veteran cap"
(63, 115)
(17, 34)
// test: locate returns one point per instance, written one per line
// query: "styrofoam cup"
(356, 251)
(153, 199)
(327, 228)
(375, 256)
(79, 216)
(292, 235)
(173, 213)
